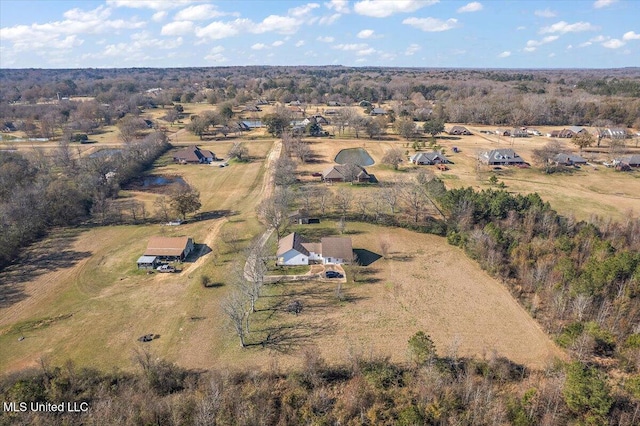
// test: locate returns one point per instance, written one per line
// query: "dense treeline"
(536, 97)
(367, 391)
(42, 192)
(580, 280)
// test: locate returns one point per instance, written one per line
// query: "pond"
(359, 156)
(154, 180)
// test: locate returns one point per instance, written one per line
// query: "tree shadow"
(213, 214)
(366, 257)
(49, 255)
(290, 337)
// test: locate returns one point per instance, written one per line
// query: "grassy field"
(86, 279)
(78, 295)
(582, 193)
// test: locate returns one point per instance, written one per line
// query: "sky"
(389, 33)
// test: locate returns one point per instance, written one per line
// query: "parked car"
(165, 268)
(333, 274)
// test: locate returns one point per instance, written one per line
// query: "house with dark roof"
(429, 158)
(631, 160)
(569, 159)
(194, 155)
(459, 130)
(348, 172)
(169, 248)
(295, 250)
(378, 111)
(503, 132)
(501, 157)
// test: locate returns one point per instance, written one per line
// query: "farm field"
(97, 290)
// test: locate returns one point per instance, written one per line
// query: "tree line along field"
(76, 294)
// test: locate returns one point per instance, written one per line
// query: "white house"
(293, 250)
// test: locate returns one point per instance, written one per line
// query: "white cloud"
(365, 34)
(330, 19)
(216, 57)
(431, 24)
(598, 39)
(614, 43)
(598, 4)
(504, 54)
(631, 36)
(340, 6)
(521, 27)
(384, 8)
(585, 44)
(546, 13)
(471, 7)
(366, 52)
(326, 39)
(277, 43)
(563, 27)
(177, 28)
(412, 49)
(159, 16)
(300, 43)
(537, 43)
(279, 24)
(552, 55)
(139, 45)
(200, 12)
(259, 46)
(530, 49)
(149, 4)
(352, 46)
(217, 49)
(62, 34)
(217, 30)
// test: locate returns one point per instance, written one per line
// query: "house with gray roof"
(348, 172)
(614, 133)
(631, 160)
(501, 157)
(193, 154)
(569, 159)
(294, 250)
(429, 158)
(459, 130)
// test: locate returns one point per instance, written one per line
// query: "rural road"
(268, 186)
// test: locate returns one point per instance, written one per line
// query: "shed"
(148, 262)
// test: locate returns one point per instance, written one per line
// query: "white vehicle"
(165, 268)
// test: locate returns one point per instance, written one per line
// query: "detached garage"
(148, 262)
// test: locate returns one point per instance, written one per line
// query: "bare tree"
(391, 195)
(284, 171)
(393, 157)
(303, 151)
(415, 198)
(162, 208)
(546, 155)
(321, 196)
(235, 308)
(273, 213)
(239, 151)
(343, 199)
(362, 203)
(255, 270)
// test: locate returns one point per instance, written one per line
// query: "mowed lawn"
(582, 193)
(80, 297)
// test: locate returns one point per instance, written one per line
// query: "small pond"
(154, 180)
(359, 156)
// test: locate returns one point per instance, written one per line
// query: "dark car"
(333, 274)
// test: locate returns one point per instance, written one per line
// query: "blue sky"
(413, 33)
